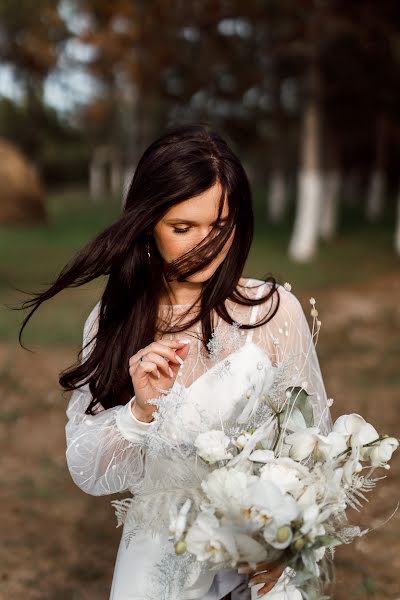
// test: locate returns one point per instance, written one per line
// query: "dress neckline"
(245, 347)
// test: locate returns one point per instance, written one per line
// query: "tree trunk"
(277, 193)
(304, 239)
(277, 198)
(128, 175)
(116, 175)
(376, 196)
(377, 186)
(329, 213)
(397, 227)
(303, 243)
(97, 180)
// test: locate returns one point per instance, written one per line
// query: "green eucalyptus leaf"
(326, 540)
(301, 400)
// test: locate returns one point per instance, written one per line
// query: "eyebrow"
(188, 222)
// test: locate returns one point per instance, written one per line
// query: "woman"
(175, 311)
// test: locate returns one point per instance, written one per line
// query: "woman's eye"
(178, 230)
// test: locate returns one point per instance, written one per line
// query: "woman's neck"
(181, 293)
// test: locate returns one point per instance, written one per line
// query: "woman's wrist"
(139, 414)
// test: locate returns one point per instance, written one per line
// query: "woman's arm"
(287, 338)
(104, 452)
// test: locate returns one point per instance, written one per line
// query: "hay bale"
(21, 192)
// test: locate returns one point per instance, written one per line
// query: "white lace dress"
(105, 453)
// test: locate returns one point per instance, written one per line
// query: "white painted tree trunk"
(397, 227)
(128, 175)
(376, 196)
(330, 206)
(305, 234)
(97, 180)
(304, 239)
(116, 176)
(277, 198)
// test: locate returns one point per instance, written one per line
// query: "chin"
(203, 275)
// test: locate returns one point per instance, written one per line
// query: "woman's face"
(186, 224)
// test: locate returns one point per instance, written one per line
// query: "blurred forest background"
(307, 93)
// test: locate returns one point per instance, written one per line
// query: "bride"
(176, 311)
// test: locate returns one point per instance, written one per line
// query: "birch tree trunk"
(329, 213)
(277, 198)
(376, 196)
(303, 243)
(127, 179)
(116, 175)
(277, 189)
(97, 176)
(304, 239)
(377, 186)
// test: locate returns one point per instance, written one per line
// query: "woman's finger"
(143, 367)
(161, 362)
(245, 568)
(164, 351)
(269, 578)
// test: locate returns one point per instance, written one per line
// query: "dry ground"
(60, 544)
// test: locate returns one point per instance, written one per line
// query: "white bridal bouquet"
(278, 492)
(265, 485)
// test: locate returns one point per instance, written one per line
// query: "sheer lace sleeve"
(104, 453)
(288, 338)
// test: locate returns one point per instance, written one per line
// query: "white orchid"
(178, 520)
(278, 537)
(380, 453)
(355, 430)
(329, 446)
(212, 446)
(242, 440)
(267, 503)
(309, 441)
(309, 515)
(350, 467)
(208, 541)
(226, 489)
(302, 442)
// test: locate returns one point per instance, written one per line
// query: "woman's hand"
(157, 369)
(270, 577)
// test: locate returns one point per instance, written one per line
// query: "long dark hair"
(183, 162)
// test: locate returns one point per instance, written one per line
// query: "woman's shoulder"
(91, 325)
(255, 288)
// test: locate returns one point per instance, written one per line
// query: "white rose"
(286, 474)
(212, 446)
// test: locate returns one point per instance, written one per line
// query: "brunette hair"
(183, 162)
